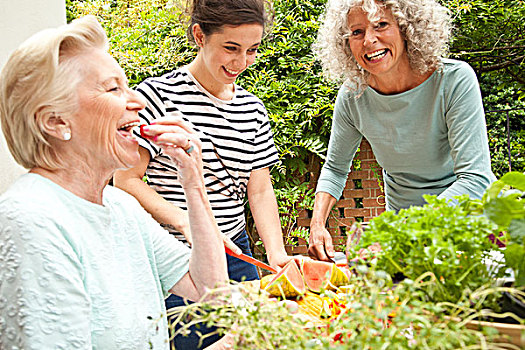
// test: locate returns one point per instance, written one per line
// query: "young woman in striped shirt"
(233, 126)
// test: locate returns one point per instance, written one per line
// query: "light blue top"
(429, 140)
(77, 275)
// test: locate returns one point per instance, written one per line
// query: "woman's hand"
(182, 144)
(278, 260)
(320, 244)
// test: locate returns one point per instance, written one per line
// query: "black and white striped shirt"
(235, 135)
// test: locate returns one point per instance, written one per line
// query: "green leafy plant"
(293, 199)
(439, 238)
(147, 37)
(504, 204)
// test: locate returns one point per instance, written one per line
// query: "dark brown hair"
(212, 15)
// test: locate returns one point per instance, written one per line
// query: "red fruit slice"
(288, 282)
(142, 130)
(320, 275)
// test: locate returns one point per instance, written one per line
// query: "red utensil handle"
(250, 260)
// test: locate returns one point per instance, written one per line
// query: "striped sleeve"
(155, 108)
(265, 154)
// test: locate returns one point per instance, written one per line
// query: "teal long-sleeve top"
(431, 139)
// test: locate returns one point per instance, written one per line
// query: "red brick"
(303, 250)
(370, 202)
(381, 200)
(370, 183)
(349, 212)
(332, 222)
(301, 242)
(303, 222)
(337, 240)
(302, 214)
(359, 174)
(366, 167)
(349, 184)
(332, 230)
(361, 193)
(364, 144)
(380, 211)
(345, 203)
(376, 192)
(346, 221)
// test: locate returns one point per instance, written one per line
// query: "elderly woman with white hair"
(421, 113)
(82, 265)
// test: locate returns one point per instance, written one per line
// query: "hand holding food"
(178, 140)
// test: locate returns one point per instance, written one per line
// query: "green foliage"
(489, 35)
(376, 315)
(504, 99)
(292, 199)
(504, 204)
(147, 37)
(438, 238)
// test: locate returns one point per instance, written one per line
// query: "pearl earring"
(67, 136)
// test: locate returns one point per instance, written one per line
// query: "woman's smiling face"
(107, 109)
(378, 47)
(230, 51)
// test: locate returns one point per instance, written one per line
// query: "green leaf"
(517, 231)
(514, 179)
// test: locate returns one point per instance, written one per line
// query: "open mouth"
(376, 55)
(126, 129)
(232, 73)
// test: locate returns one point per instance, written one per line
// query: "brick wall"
(362, 199)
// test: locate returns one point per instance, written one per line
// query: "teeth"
(376, 54)
(232, 72)
(129, 125)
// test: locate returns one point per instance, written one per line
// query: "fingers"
(278, 260)
(181, 143)
(299, 259)
(329, 247)
(320, 245)
(172, 132)
(319, 252)
(229, 243)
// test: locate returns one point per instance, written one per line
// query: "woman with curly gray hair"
(421, 113)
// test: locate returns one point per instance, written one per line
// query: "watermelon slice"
(288, 282)
(266, 279)
(322, 275)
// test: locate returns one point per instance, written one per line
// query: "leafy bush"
(288, 80)
(489, 35)
(147, 37)
(499, 100)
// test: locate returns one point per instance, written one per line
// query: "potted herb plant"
(452, 244)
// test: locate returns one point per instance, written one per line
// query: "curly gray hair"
(425, 25)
